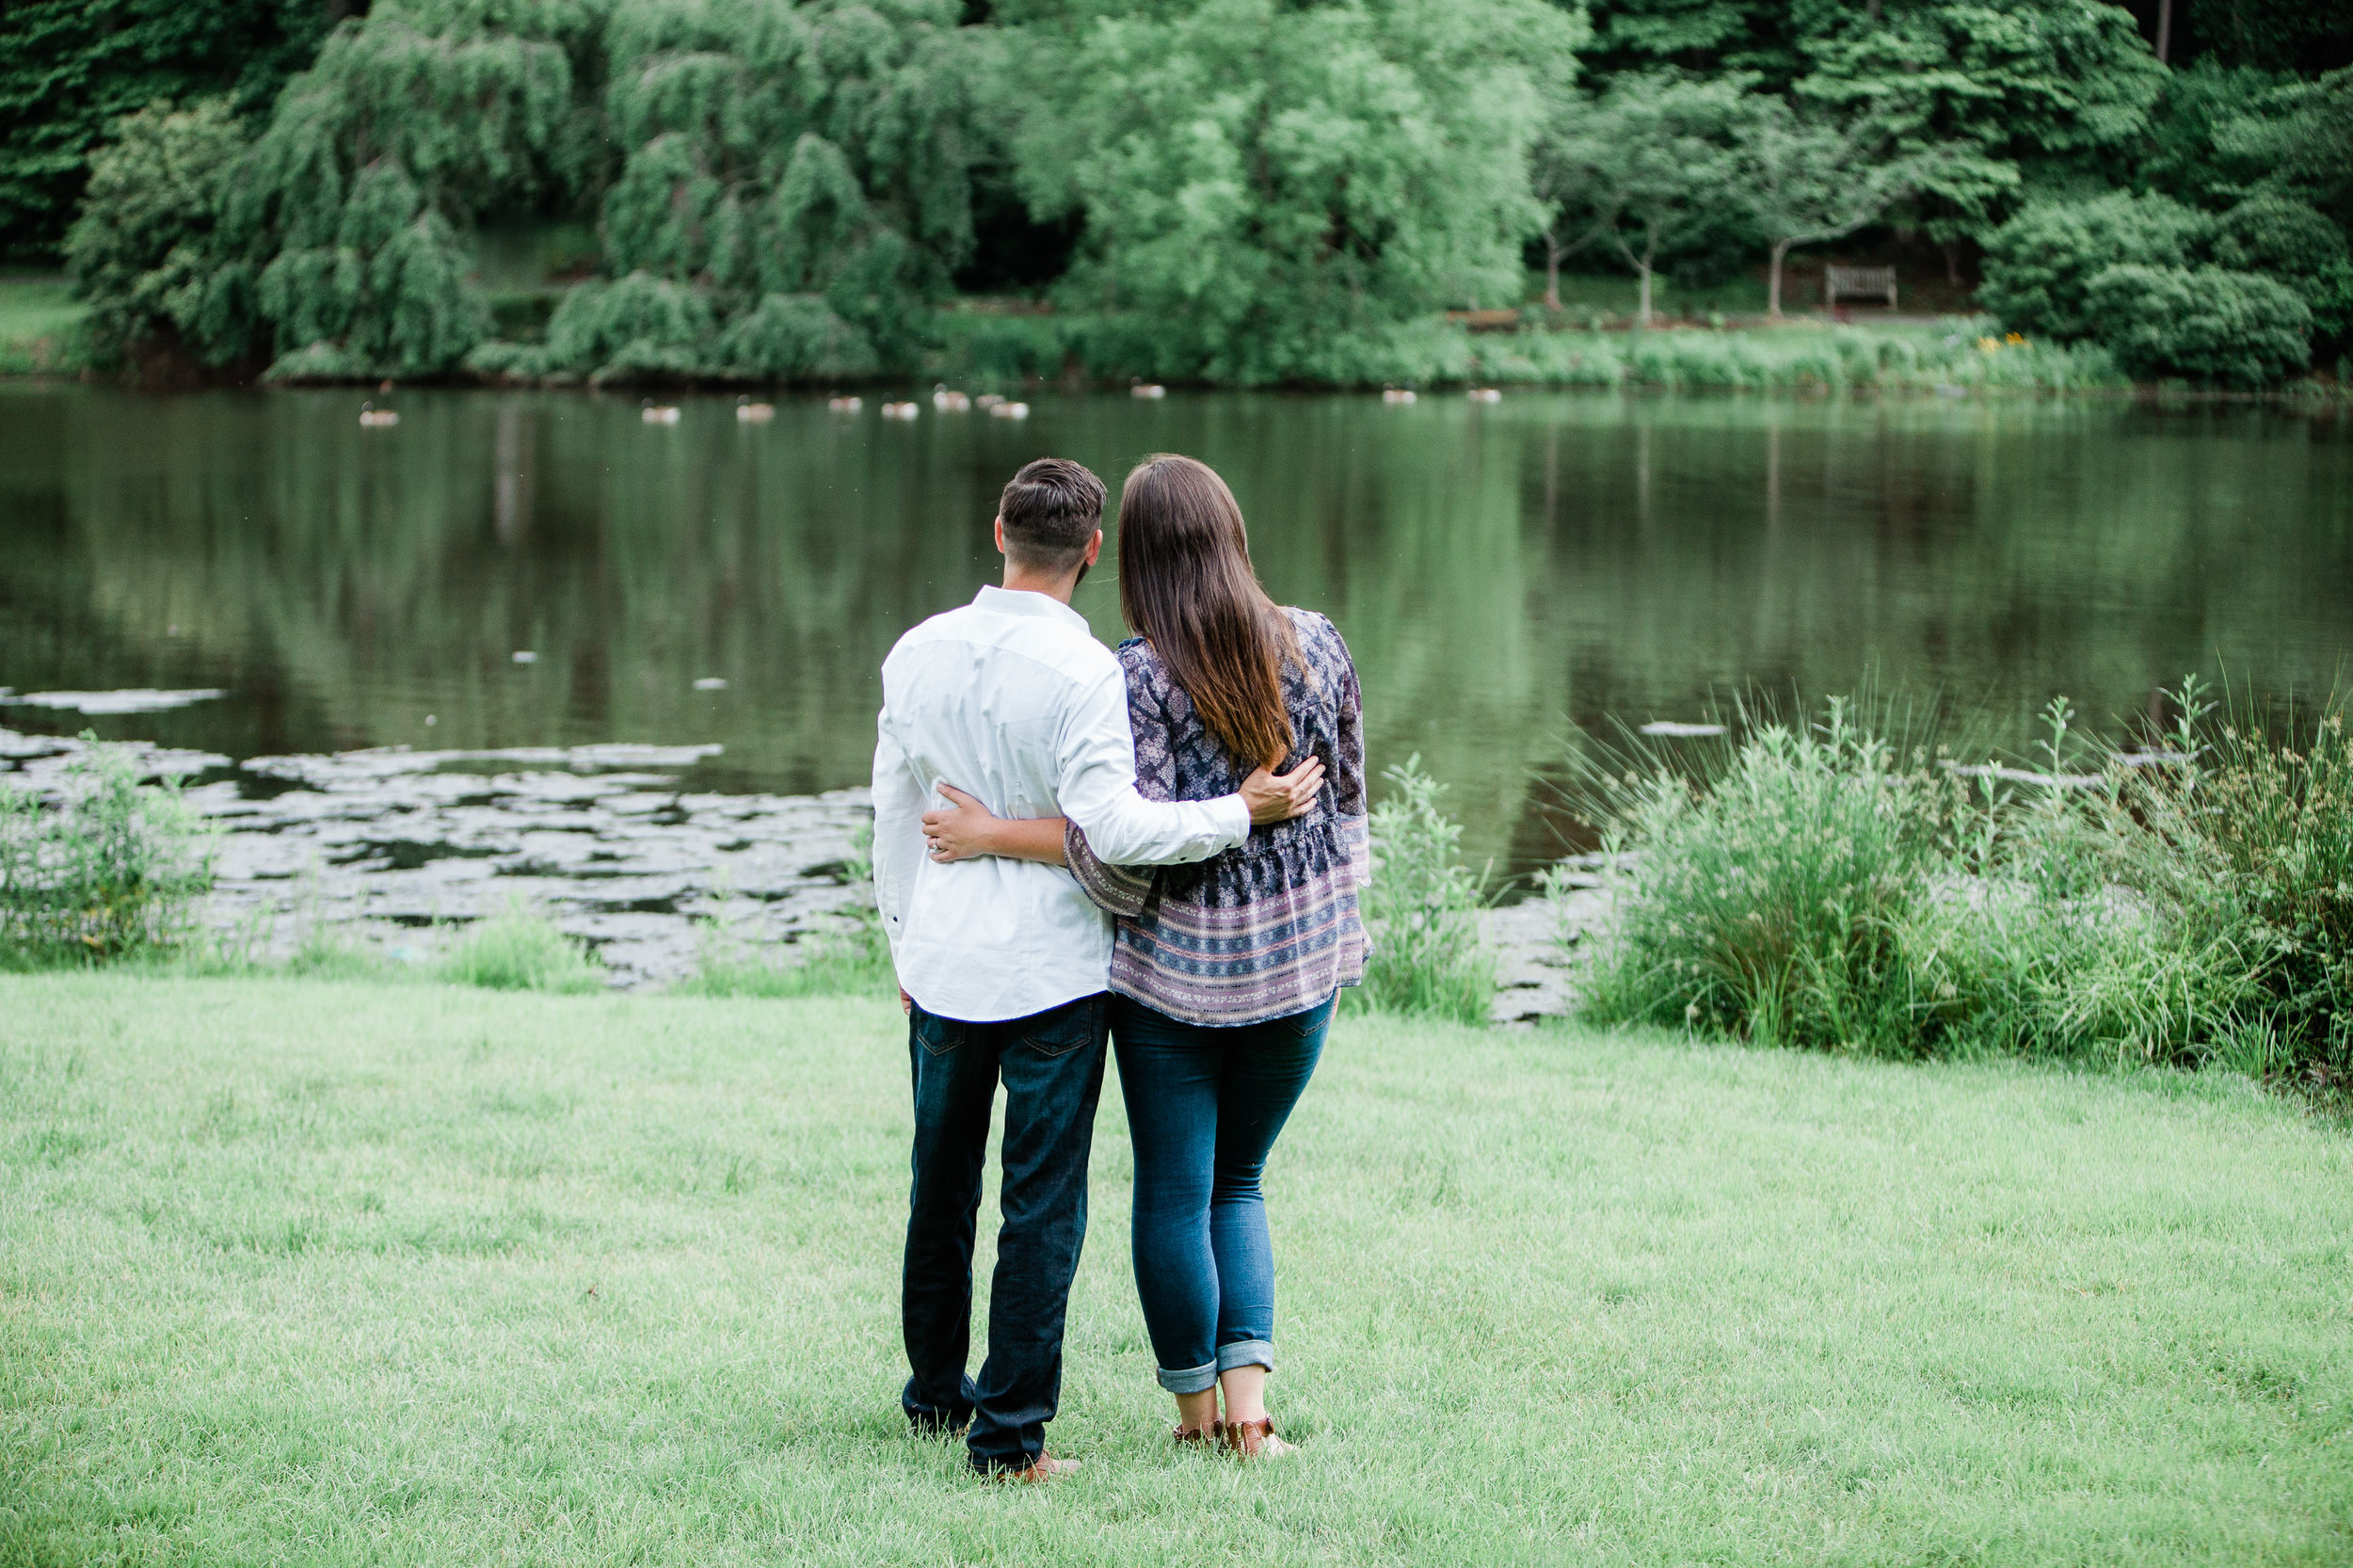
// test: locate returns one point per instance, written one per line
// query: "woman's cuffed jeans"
(1052, 1066)
(1204, 1108)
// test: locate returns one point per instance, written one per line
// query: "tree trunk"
(1773, 288)
(1552, 274)
(1952, 261)
(1650, 249)
(2165, 30)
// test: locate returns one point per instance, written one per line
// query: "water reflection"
(1497, 569)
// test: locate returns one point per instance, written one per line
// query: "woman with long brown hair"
(1223, 973)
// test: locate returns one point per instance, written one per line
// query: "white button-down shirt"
(1012, 700)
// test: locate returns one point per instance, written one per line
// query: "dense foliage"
(71, 69)
(1241, 191)
(1268, 188)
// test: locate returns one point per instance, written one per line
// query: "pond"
(1501, 571)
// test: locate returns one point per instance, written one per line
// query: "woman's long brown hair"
(1186, 583)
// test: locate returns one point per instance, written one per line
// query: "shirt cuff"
(1236, 811)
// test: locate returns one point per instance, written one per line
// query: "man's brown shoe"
(1044, 1469)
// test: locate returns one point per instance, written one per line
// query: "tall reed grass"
(1817, 882)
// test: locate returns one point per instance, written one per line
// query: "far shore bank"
(987, 345)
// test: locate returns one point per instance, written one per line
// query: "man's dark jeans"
(1052, 1067)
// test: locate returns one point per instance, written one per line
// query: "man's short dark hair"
(1050, 511)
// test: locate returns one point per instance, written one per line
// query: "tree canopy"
(1238, 191)
(1264, 185)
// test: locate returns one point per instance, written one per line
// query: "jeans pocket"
(1313, 1020)
(937, 1035)
(1065, 1029)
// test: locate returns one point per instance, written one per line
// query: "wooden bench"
(1865, 281)
(1486, 321)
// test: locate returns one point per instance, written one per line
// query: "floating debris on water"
(133, 700)
(751, 412)
(654, 413)
(712, 683)
(949, 401)
(899, 410)
(1676, 727)
(1147, 389)
(372, 418)
(1397, 394)
(1486, 395)
(988, 400)
(524, 656)
(395, 844)
(1010, 411)
(845, 405)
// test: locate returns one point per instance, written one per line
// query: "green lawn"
(37, 322)
(319, 1272)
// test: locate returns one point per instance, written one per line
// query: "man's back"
(1011, 700)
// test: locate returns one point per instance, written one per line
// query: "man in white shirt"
(1002, 963)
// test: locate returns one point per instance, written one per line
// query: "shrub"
(2208, 325)
(1422, 910)
(2039, 267)
(2277, 236)
(519, 951)
(793, 337)
(113, 867)
(143, 252)
(638, 326)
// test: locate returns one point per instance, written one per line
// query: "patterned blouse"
(1267, 928)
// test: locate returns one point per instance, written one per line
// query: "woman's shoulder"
(1318, 637)
(1143, 667)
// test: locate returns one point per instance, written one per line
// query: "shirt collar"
(1021, 602)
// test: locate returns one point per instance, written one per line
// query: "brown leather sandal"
(1254, 1440)
(1045, 1467)
(1197, 1437)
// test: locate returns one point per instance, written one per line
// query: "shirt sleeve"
(898, 828)
(1121, 890)
(1097, 791)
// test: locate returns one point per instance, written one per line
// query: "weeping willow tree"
(350, 208)
(333, 242)
(794, 190)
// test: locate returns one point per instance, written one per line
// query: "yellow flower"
(2016, 339)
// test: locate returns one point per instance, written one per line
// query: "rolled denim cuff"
(1189, 1380)
(1246, 1352)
